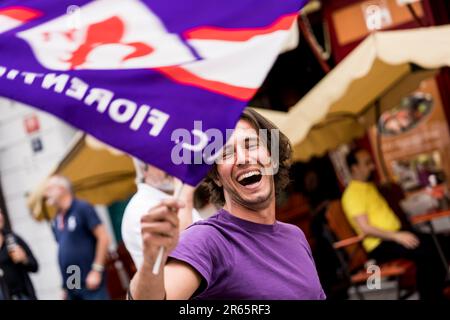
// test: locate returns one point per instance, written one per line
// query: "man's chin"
(256, 202)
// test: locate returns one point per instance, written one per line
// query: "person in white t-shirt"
(153, 186)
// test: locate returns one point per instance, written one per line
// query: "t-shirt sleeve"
(304, 242)
(203, 248)
(90, 217)
(354, 204)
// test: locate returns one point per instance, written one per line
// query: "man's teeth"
(248, 174)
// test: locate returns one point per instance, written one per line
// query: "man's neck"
(65, 204)
(356, 178)
(262, 216)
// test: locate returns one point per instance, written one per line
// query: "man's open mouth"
(249, 178)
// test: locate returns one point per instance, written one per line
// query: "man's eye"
(227, 154)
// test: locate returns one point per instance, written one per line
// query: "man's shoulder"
(138, 206)
(146, 197)
(81, 204)
(207, 235)
(83, 210)
(290, 229)
(206, 228)
(350, 192)
(206, 225)
(346, 195)
(288, 226)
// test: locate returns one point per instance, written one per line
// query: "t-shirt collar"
(68, 212)
(361, 183)
(249, 225)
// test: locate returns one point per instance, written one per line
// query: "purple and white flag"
(132, 72)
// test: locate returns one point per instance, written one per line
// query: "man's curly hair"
(281, 178)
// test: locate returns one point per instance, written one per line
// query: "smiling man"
(241, 252)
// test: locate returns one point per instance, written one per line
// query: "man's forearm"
(147, 286)
(101, 250)
(379, 233)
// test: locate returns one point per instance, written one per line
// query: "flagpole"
(159, 258)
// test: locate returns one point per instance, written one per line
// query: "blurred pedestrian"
(16, 261)
(153, 186)
(83, 243)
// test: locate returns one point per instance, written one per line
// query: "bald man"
(82, 240)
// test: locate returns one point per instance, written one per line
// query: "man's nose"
(241, 156)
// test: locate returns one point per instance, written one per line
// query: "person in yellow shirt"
(385, 239)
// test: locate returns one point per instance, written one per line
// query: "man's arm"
(103, 241)
(94, 277)
(404, 238)
(30, 261)
(177, 280)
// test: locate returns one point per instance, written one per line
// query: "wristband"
(98, 267)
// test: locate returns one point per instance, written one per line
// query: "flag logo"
(121, 34)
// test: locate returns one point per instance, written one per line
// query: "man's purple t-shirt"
(239, 259)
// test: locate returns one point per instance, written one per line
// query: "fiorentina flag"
(153, 78)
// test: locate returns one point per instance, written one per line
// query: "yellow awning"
(385, 67)
(100, 175)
